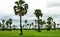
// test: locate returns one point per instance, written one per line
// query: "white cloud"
(48, 8)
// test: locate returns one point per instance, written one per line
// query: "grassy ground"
(30, 33)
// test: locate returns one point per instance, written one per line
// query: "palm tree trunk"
(38, 25)
(20, 24)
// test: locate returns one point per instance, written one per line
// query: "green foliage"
(3, 21)
(20, 8)
(38, 13)
(49, 19)
(25, 21)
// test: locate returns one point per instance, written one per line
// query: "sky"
(49, 8)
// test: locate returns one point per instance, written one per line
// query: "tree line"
(21, 9)
(6, 25)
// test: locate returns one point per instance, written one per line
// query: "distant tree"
(14, 27)
(38, 14)
(54, 25)
(3, 21)
(36, 21)
(10, 22)
(29, 26)
(7, 24)
(20, 9)
(32, 25)
(41, 22)
(49, 21)
(25, 21)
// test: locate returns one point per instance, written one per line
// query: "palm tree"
(29, 26)
(54, 25)
(3, 24)
(25, 21)
(20, 9)
(49, 21)
(14, 27)
(32, 25)
(41, 22)
(10, 22)
(7, 24)
(36, 21)
(38, 14)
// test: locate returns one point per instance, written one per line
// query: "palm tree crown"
(38, 13)
(20, 8)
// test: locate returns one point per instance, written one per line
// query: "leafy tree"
(54, 25)
(20, 9)
(36, 21)
(7, 24)
(38, 14)
(14, 27)
(41, 22)
(29, 26)
(10, 22)
(25, 21)
(32, 25)
(49, 21)
(3, 21)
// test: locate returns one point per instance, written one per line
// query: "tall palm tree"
(10, 22)
(38, 14)
(49, 21)
(20, 9)
(3, 24)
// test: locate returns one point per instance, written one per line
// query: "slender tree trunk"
(38, 26)
(20, 24)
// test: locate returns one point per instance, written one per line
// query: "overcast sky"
(48, 8)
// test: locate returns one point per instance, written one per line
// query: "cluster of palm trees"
(21, 8)
(6, 25)
(27, 25)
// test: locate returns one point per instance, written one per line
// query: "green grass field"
(30, 33)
